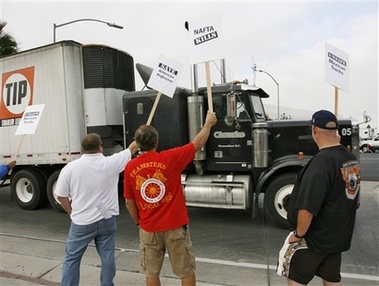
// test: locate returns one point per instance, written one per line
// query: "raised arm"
(202, 137)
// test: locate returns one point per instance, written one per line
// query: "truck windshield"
(257, 106)
(238, 107)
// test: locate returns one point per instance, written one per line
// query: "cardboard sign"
(336, 67)
(29, 121)
(206, 39)
(165, 76)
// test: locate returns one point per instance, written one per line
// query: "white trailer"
(81, 87)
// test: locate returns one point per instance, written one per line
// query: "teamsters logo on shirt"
(351, 175)
(152, 189)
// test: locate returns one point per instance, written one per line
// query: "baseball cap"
(324, 119)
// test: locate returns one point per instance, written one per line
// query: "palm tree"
(8, 44)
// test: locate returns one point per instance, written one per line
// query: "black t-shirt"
(328, 188)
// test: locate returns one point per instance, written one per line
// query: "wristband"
(297, 235)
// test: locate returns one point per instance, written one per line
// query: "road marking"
(208, 260)
(273, 267)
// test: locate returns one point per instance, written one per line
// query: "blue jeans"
(103, 233)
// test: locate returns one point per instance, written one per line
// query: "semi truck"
(247, 154)
(91, 88)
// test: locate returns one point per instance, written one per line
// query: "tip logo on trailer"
(16, 94)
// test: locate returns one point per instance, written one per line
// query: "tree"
(285, 117)
(8, 44)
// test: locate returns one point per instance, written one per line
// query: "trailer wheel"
(51, 182)
(28, 189)
(277, 198)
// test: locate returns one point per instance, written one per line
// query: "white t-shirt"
(91, 183)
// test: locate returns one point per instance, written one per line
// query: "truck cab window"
(219, 106)
(258, 107)
(241, 110)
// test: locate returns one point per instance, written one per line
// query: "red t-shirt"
(153, 181)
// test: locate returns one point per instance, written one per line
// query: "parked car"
(370, 146)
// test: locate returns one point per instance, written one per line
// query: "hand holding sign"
(164, 79)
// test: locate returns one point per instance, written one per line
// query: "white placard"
(206, 39)
(336, 67)
(165, 76)
(30, 118)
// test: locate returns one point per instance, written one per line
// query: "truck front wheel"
(28, 188)
(51, 182)
(277, 198)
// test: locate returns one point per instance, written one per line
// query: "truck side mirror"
(366, 118)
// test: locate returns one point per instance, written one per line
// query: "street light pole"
(277, 89)
(55, 26)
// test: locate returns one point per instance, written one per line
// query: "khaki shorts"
(178, 243)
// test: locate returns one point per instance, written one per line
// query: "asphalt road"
(370, 166)
(221, 238)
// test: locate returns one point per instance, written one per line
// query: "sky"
(284, 38)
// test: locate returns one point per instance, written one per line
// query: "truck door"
(229, 147)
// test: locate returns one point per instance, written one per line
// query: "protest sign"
(205, 36)
(336, 71)
(164, 79)
(29, 122)
(336, 67)
(165, 76)
(206, 39)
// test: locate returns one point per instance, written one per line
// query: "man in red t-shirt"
(154, 198)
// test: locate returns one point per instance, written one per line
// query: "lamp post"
(277, 89)
(55, 26)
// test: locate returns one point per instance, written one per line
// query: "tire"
(366, 149)
(277, 197)
(28, 189)
(53, 200)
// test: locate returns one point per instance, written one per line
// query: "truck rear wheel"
(277, 198)
(28, 188)
(51, 182)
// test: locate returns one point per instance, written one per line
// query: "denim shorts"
(178, 243)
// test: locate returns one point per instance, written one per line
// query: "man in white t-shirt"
(87, 190)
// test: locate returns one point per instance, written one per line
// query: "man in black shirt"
(322, 208)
